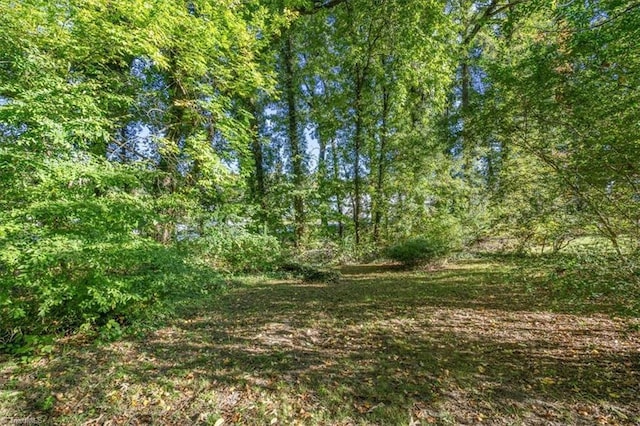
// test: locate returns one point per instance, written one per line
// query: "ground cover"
(469, 342)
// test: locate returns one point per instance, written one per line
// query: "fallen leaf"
(548, 381)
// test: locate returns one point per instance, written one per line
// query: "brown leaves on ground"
(460, 345)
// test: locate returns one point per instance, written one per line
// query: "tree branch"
(614, 17)
(491, 10)
(319, 5)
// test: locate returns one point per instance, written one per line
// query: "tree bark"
(377, 219)
(336, 178)
(258, 185)
(464, 109)
(297, 154)
(322, 178)
(357, 139)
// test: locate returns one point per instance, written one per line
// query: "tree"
(78, 232)
(556, 102)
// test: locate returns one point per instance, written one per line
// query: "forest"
(360, 182)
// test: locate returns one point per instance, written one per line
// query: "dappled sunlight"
(406, 345)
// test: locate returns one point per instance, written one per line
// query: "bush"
(442, 239)
(597, 275)
(320, 253)
(311, 273)
(417, 250)
(237, 250)
(76, 245)
(584, 278)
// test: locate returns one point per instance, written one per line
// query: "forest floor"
(464, 343)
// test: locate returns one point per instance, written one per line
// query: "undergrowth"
(586, 278)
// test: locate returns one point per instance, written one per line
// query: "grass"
(467, 343)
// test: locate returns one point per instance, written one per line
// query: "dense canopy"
(142, 140)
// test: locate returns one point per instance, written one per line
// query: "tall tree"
(296, 146)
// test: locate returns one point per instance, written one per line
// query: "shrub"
(77, 248)
(442, 239)
(597, 275)
(322, 252)
(416, 250)
(235, 249)
(586, 277)
(310, 273)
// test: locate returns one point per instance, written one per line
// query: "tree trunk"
(464, 109)
(177, 127)
(357, 139)
(297, 154)
(258, 186)
(336, 178)
(322, 177)
(377, 219)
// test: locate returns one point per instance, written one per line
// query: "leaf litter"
(458, 345)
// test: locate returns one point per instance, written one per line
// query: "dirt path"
(460, 345)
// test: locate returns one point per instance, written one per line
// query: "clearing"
(463, 344)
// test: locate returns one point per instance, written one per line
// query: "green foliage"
(76, 247)
(594, 275)
(440, 240)
(588, 276)
(415, 250)
(310, 273)
(350, 252)
(553, 118)
(86, 243)
(538, 143)
(321, 252)
(235, 249)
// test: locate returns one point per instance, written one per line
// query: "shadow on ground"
(382, 346)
